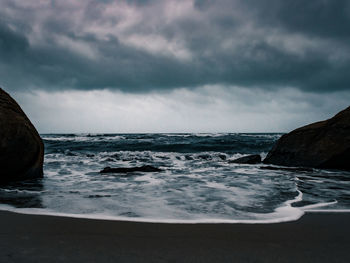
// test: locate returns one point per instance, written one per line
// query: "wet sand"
(315, 237)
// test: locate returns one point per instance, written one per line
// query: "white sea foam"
(270, 136)
(16, 191)
(285, 213)
(210, 134)
(82, 138)
(176, 135)
(37, 211)
(193, 187)
(318, 205)
(217, 185)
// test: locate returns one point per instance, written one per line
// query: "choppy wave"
(197, 184)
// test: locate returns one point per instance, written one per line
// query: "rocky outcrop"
(145, 168)
(21, 148)
(324, 144)
(250, 159)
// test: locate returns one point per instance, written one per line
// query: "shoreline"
(291, 218)
(315, 237)
(34, 211)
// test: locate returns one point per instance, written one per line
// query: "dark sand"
(34, 238)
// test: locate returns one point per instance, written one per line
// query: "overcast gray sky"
(175, 66)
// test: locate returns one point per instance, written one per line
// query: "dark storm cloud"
(326, 18)
(52, 67)
(139, 46)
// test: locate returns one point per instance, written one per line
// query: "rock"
(21, 148)
(250, 159)
(223, 157)
(324, 144)
(204, 156)
(145, 168)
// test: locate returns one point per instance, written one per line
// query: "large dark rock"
(249, 159)
(21, 148)
(324, 144)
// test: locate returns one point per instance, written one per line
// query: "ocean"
(197, 184)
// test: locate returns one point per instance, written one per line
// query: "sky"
(175, 66)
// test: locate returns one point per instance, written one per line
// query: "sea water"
(197, 182)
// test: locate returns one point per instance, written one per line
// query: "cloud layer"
(144, 46)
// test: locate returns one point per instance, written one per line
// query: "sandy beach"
(316, 237)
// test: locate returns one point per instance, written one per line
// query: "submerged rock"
(21, 148)
(222, 157)
(145, 168)
(250, 159)
(324, 144)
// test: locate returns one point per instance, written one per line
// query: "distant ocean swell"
(198, 184)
